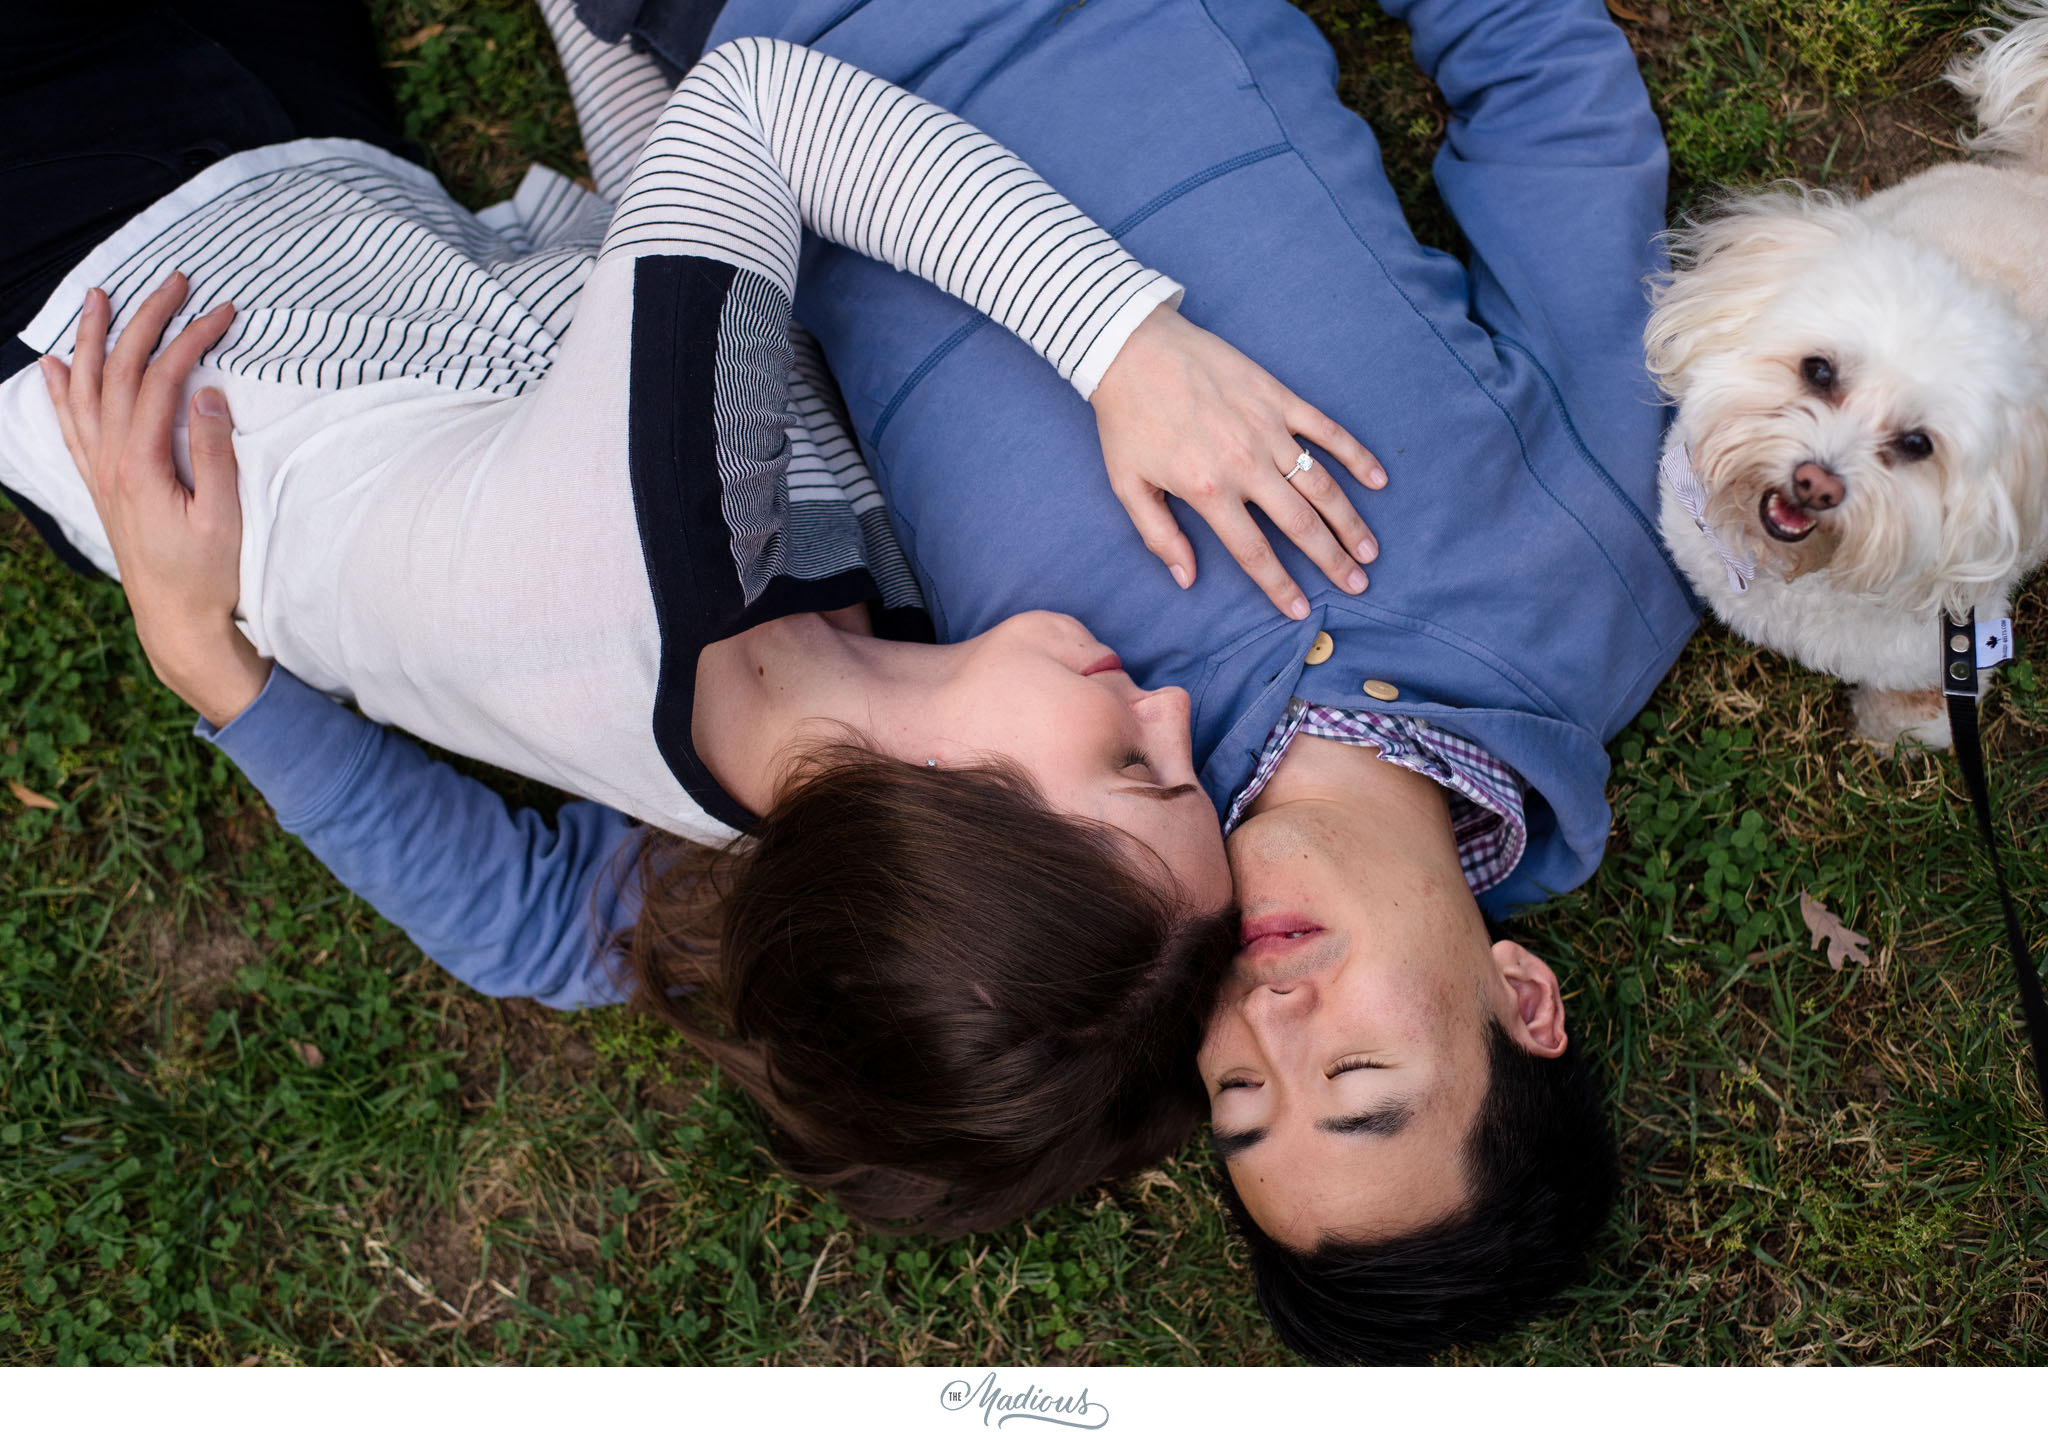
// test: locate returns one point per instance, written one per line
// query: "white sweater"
(510, 533)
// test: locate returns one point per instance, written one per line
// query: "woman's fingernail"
(210, 402)
(1180, 575)
(1298, 608)
(1367, 551)
(1355, 583)
(1377, 478)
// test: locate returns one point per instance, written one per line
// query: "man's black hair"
(1543, 1172)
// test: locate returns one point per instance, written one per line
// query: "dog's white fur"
(1930, 302)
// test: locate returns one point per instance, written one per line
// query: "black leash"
(1959, 655)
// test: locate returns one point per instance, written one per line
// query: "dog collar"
(1676, 470)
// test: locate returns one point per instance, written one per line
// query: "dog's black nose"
(1818, 488)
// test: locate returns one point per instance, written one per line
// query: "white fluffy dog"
(1862, 387)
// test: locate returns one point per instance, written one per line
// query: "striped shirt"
(505, 474)
(1487, 818)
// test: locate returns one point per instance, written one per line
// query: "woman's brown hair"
(955, 1004)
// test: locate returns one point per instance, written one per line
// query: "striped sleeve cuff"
(889, 175)
(1109, 341)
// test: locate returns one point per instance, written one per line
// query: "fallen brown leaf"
(309, 1053)
(419, 37)
(1843, 943)
(1622, 12)
(29, 798)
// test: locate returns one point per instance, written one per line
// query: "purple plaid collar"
(1486, 794)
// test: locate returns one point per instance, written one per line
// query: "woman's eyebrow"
(1157, 793)
(1230, 1146)
(1383, 1122)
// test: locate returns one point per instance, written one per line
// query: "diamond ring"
(1301, 465)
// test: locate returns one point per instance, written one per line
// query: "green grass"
(242, 1120)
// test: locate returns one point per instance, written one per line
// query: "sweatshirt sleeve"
(764, 138)
(500, 899)
(1554, 167)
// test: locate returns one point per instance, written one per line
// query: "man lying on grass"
(1416, 1154)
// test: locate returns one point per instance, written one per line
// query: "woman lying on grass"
(964, 958)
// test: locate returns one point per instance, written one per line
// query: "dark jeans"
(672, 31)
(108, 105)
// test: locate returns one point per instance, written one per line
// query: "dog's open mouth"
(1786, 521)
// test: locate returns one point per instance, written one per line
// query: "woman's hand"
(179, 551)
(1182, 412)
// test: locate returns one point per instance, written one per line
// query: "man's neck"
(1353, 786)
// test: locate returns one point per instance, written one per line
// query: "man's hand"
(1182, 412)
(179, 551)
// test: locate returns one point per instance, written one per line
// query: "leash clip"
(1959, 655)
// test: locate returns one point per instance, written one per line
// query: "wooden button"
(1320, 652)
(1382, 690)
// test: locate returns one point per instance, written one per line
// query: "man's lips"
(1109, 661)
(1272, 935)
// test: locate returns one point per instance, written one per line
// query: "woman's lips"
(1108, 661)
(1275, 935)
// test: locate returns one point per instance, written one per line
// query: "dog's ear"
(2028, 482)
(2005, 78)
(1994, 522)
(1728, 266)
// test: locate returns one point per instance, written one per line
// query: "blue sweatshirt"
(499, 898)
(1522, 599)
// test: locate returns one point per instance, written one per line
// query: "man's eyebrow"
(1158, 793)
(1229, 1146)
(1383, 1122)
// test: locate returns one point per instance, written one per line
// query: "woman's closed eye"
(1235, 1083)
(1135, 762)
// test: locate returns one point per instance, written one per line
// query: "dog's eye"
(1915, 446)
(1820, 374)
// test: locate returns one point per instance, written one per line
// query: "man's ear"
(1539, 1027)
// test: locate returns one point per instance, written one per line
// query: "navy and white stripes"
(618, 94)
(765, 138)
(350, 266)
(826, 509)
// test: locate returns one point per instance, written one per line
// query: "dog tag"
(1994, 642)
